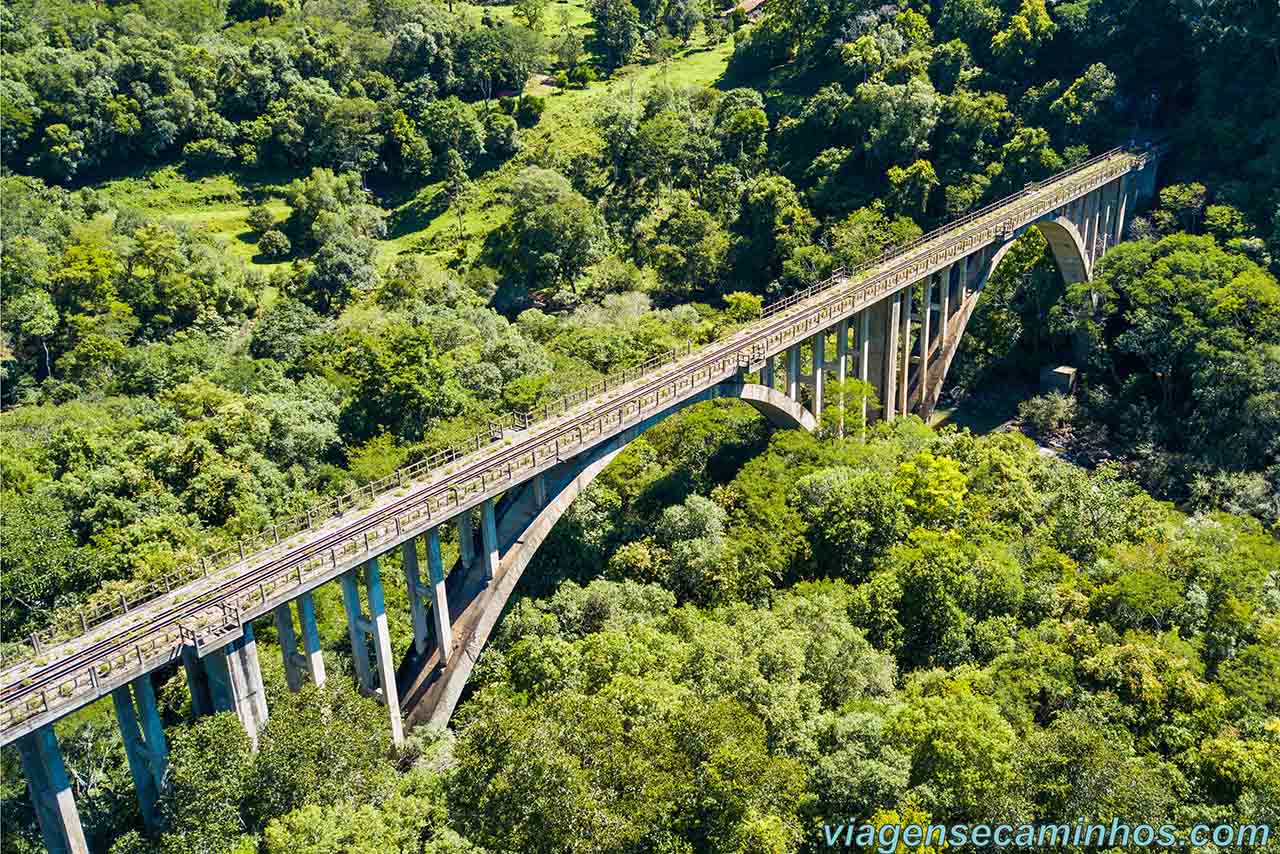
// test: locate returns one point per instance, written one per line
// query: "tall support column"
(382, 648)
(944, 314)
(767, 376)
(793, 372)
(819, 345)
(439, 599)
(904, 379)
(466, 540)
(1122, 207)
(312, 653)
(540, 489)
(926, 318)
(293, 664)
(356, 630)
(1093, 231)
(1086, 222)
(417, 594)
(842, 365)
(1105, 233)
(864, 358)
(144, 743)
(372, 627)
(235, 683)
(51, 794)
(962, 290)
(893, 322)
(489, 537)
(197, 683)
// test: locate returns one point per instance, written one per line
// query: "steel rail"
(723, 351)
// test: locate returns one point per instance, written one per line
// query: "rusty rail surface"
(204, 604)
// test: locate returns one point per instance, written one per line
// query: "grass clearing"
(449, 234)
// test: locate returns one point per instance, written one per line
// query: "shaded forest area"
(735, 634)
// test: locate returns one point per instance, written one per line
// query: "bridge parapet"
(206, 610)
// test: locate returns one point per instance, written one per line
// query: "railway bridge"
(895, 323)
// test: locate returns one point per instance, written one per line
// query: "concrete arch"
(523, 526)
(1065, 243)
(1069, 253)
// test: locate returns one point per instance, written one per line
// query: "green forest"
(257, 253)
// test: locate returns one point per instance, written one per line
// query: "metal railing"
(208, 609)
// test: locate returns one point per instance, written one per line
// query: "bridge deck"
(208, 612)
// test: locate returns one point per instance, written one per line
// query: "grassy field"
(219, 204)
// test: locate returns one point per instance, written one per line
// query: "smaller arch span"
(431, 689)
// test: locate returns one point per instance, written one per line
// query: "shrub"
(261, 219)
(1047, 413)
(208, 152)
(274, 244)
(530, 110)
(582, 75)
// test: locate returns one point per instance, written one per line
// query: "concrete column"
(1093, 231)
(842, 365)
(144, 743)
(889, 386)
(293, 665)
(439, 599)
(926, 318)
(962, 291)
(1122, 207)
(51, 794)
(1105, 231)
(904, 378)
(767, 376)
(312, 654)
(819, 346)
(944, 314)
(197, 683)
(235, 683)
(382, 648)
(540, 490)
(489, 539)
(466, 540)
(373, 626)
(1086, 220)
(356, 630)
(864, 356)
(793, 372)
(417, 594)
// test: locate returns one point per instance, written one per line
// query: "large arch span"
(1073, 260)
(865, 324)
(525, 518)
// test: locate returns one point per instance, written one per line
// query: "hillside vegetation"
(258, 252)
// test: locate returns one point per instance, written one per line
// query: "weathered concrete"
(489, 539)
(144, 744)
(299, 666)
(432, 691)
(439, 596)
(418, 595)
(793, 372)
(51, 794)
(372, 629)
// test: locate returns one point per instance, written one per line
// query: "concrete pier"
(51, 794)
(144, 744)
(489, 539)
(372, 627)
(439, 598)
(309, 662)
(418, 595)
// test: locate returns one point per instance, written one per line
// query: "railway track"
(23, 681)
